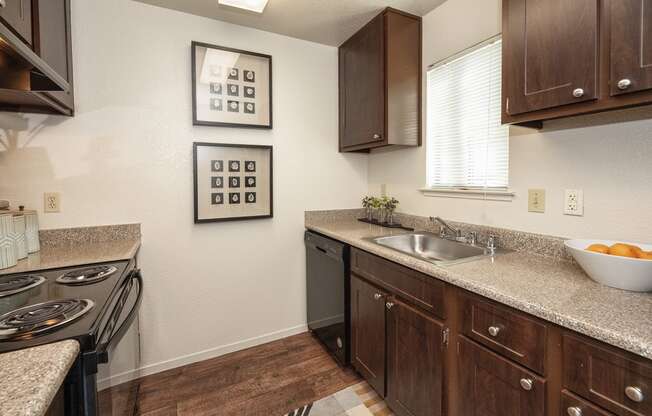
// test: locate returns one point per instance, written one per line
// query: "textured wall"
(608, 155)
(127, 157)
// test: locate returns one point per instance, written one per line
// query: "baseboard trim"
(199, 356)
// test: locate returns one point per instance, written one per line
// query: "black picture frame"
(195, 120)
(195, 147)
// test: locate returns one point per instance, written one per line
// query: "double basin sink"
(430, 247)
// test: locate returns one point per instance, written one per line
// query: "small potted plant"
(367, 205)
(390, 205)
(376, 205)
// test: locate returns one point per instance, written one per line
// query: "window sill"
(481, 194)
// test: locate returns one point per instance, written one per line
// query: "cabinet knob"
(493, 331)
(574, 411)
(389, 305)
(376, 136)
(634, 394)
(526, 384)
(578, 92)
(378, 296)
(623, 84)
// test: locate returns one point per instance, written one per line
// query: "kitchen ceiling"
(330, 22)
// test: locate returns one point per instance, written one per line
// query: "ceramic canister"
(19, 236)
(31, 232)
(7, 245)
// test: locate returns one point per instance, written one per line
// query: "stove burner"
(11, 285)
(86, 275)
(35, 319)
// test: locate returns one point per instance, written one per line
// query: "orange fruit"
(622, 250)
(598, 248)
(636, 249)
(645, 255)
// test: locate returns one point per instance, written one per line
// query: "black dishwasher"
(329, 292)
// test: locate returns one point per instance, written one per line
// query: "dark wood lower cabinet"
(494, 386)
(449, 352)
(368, 332)
(415, 361)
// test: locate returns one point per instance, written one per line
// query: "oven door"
(118, 354)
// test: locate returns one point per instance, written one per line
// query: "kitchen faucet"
(454, 232)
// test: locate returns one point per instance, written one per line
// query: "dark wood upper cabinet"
(368, 332)
(415, 362)
(380, 83)
(55, 44)
(631, 46)
(565, 58)
(491, 385)
(17, 16)
(550, 53)
(363, 98)
(36, 76)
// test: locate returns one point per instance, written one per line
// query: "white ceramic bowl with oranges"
(617, 264)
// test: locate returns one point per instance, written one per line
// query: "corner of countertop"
(31, 377)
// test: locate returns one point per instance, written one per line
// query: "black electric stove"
(94, 304)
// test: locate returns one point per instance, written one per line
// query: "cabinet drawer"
(614, 380)
(494, 386)
(510, 333)
(572, 405)
(421, 290)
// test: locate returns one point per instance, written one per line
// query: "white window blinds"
(468, 148)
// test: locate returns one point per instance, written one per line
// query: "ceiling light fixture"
(252, 5)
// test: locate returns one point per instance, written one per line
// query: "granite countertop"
(78, 246)
(552, 289)
(32, 377)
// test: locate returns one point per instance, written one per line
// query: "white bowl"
(615, 271)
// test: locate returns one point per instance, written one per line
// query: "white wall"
(608, 156)
(127, 157)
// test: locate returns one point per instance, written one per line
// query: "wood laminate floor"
(268, 380)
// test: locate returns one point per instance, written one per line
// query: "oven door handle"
(102, 350)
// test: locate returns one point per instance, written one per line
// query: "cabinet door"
(368, 332)
(362, 86)
(55, 45)
(491, 385)
(550, 53)
(17, 14)
(415, 362)
(631, 46)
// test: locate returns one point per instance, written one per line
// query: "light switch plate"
(536, 200)
(574, 202)
(52, 201)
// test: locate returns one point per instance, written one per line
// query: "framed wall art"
(231, 87)
(232, 182)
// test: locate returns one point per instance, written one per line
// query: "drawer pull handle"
(389, 305)
(574, 411)
(623, 84)
(493, 331)
(526, 384)
(378, 296)
(634, 394)
(376, 136)
(578, 93)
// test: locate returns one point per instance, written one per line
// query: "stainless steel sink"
(430, 247)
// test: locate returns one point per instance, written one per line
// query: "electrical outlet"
(574, 202)
(52, 202)
(536, 200)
